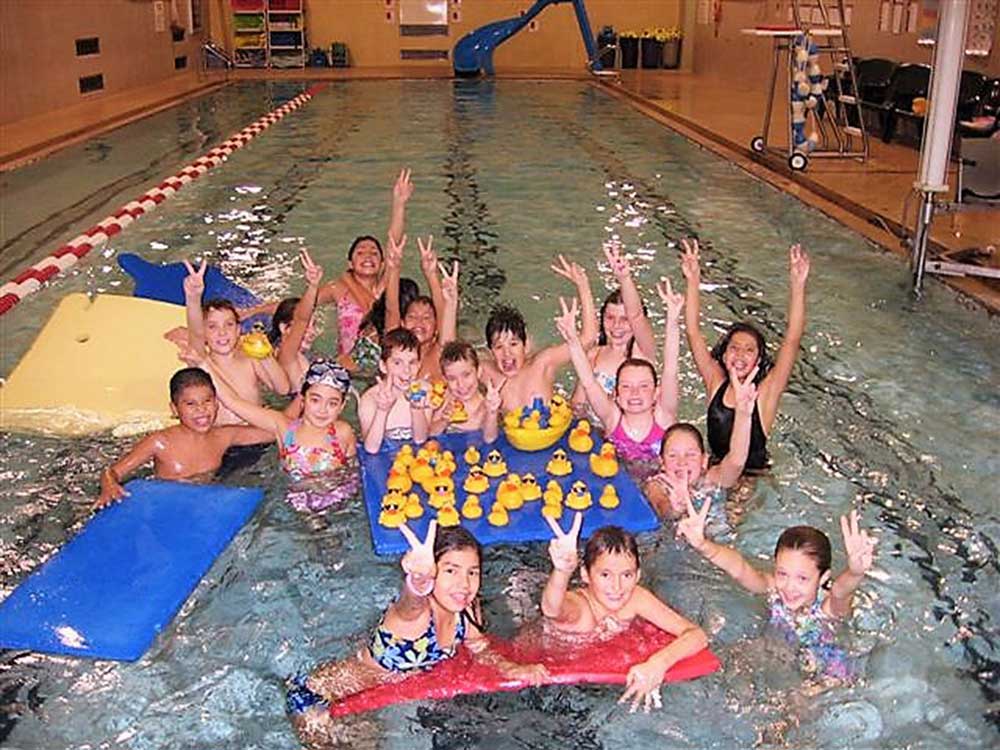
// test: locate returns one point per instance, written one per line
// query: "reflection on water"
(893, 408)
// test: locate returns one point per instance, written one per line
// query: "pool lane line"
(32, 279)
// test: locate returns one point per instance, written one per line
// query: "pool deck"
(868, 197)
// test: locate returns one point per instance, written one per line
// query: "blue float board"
(526, 524)
(119, 582)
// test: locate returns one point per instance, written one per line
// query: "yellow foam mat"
(98, 364)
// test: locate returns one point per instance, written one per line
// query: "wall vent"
(91, 83)
(180, 62)
(423, 54)
(90, 45)
(423, 29)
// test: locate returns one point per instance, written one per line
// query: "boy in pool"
(190, 450)
(215, 327)
(609, 600)
(460, 366)
(391, 408)
(521, 375)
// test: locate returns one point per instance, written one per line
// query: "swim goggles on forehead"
(324, 372)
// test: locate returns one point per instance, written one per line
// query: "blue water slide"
(474, 52)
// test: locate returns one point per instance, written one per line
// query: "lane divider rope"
(33, 278)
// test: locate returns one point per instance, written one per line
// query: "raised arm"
(401, 193)
(431, 271)
(605, 409)
(692, 528)
(273, 422)
(272, 375)
(562, 551)
(710, 370)
(860, 548)
(113, 476)
(728, 471)
(777, 379)
(642, 329)
(491, 420)
(420, 569)
(291, 342)
(554, 357)
(448, 318)
(669, 388)
(393, 263)
(194, 287)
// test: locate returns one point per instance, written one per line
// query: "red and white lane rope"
(32, 279)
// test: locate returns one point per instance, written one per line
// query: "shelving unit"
(286, 34)
(249, 33)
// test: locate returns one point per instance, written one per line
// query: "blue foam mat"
(119, 582)
(526, 524)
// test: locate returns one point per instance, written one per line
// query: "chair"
(971, 88)
(874, 76)
(979, 170)
(909, 81)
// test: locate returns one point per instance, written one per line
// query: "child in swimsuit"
(684, 470)
(641, 410)
(390, 409)
(609, 599)
(625, 331)
(460, 365)
(434, 614)
(799, 611)
(293, 326)
(741, 350)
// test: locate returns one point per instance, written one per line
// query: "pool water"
(893, 408)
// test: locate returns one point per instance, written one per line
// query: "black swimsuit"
(720, 431)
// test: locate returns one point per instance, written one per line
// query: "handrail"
(213, 50)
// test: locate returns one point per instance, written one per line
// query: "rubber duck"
(256, 344)
(471, 508)
(413, 507)
(553, 494)
(498, 515)
(559, 465)
(398, 480)
(445, 465)
(609, 497)
(605, 463)
(404, 457)
(392, 516)
(511, 420)
(494, 466)
(421, 470)
(416, 392)
(578, 497)
(509, 492)
(477, 482)
(530, 489)
(552, 510)
(438, 390)
(471, 455)
(579, 437)
(448, 516)
(441, 492)
(459, 414)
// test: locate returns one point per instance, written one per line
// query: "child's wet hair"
(421, 299)
(764, 361)
(615, 298)
(688, 429)
(459, 351)
(504, 318)
(408, 291)
(451, 538)
(635, 362)
(283, 314)
(363, 238)
(611, 539)
(808, 540)
(189, 377)
(220, 304)
(399, 338)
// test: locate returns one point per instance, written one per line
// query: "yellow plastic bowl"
(535, 440)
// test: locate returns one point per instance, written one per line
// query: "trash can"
(652, 53)
(672, 53)
(607, 48)
(630, 51)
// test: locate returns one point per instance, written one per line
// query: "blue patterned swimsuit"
(813, 632)
(405, 654)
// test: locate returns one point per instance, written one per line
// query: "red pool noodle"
(606, 663)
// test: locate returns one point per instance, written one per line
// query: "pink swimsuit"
(647, 449)
(349, 317)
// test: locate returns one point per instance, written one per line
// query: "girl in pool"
(640, 410)
(609, 600)
(435, 613)
(316, 450)
(741, 350)
(802, 609)
(293, 326)
(625, 331)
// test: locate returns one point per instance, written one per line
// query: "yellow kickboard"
(98, 364)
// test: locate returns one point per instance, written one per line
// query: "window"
(90, 45)
(91, 83)
(180, 62)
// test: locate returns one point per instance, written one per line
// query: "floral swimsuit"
(813, 632)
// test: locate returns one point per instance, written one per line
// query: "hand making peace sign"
(860, 547)
(419, 561)
(562, 549)
(312, 271)
(692, 527)
(194, 282)
(674, 302)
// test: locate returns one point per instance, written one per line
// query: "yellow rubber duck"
(477, 482)
(459, 414)
(552, 510)
(509, 492)
(559, 465)
(471, 508)
(498, 515)
(392, 516)
(494, 466)
(256, 344)
(605, 463)
(553, 494)
(512, 420)
(398, 480)
(441, 492)
(448, 516)
(579, 437)
(438, 390)
(609, 497)
(421, 470)
(471, 455)
(413, 507)
(530, 489)
(578, 497)
(404, 457)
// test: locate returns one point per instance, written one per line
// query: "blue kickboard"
(166, 284)
(526, 524)
(119, 582)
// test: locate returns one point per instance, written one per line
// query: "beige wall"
(728, 50)
(39, 69)
(373, 42)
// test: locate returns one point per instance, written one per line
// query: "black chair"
(874, 76)
(971, 88)
(984, 120)
(909, 81)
